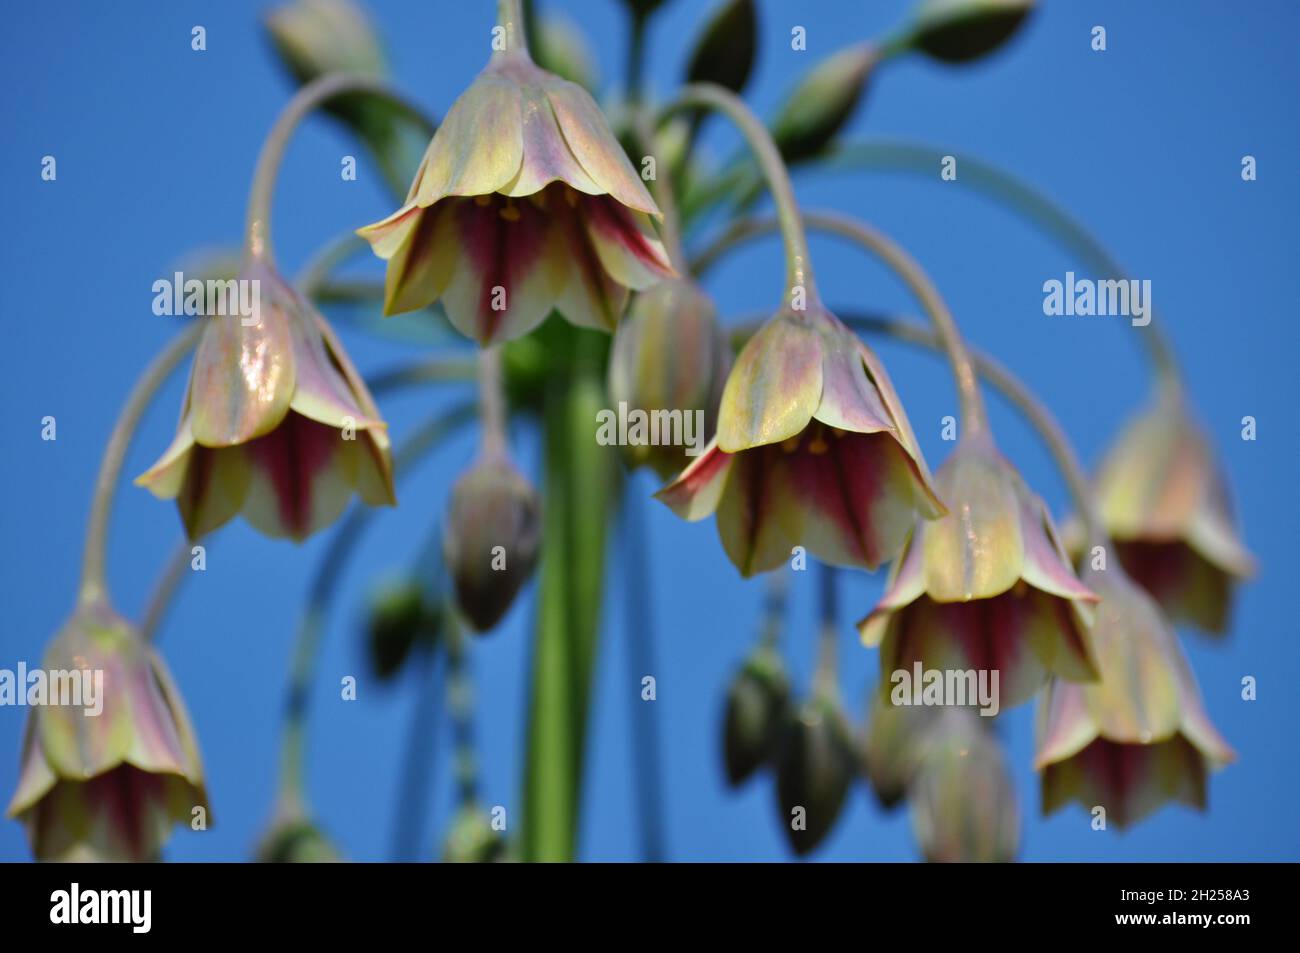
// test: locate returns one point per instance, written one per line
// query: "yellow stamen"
(838, 432)
(481, 200)
(818, 445)
(510, 213)
(790, 445)
(571, 197)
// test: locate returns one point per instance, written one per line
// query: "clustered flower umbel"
(525, 203)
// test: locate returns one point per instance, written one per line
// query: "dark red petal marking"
(503, 240)
(291, 455)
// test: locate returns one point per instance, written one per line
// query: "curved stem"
(799, 271)
(308, 98)
(1028, 202)
(974, 417)
(670, 227)
(323, 587)
(316, 273)
(164, 590)
(1024, 400)
(435, 370)
(93, 582)
(492, 401)
(636, 55)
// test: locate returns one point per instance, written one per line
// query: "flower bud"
(724, 51)
(963, 803)
(757, 709)
(823, 103)
(471, 839)
(296, 840)
(670, 357)
(815, 762)
(400, 617)
(106, 781)
(957, 31)
(492, 539)
(895, 740)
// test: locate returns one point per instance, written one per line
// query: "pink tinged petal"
(510, 270)
(694, 495)
(1129, 781)
(375, 463)
(589, 138)
(1057, 631)
(1064, 725)
(1046, 565)
(547, 157)
(984, 635)
(388, 235)
(625, 242)
(854, 495)
(906, 584)
(420, 267)
(849, 399)
(165, 478)
(931, 504)
(191, 766)
(1188, 587)
(591, 298)
(1138, 697)
(756, 526)
(323, 394)
(479, 148)
(976, 551)
(215, 487)
(299, 480)
(774, 387)
(243, 376)
(1213, 535)
(34, 775)
(1196, 725)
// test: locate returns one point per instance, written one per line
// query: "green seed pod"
(823, 103)
(815, 762)
(958, 31)
(757, 709)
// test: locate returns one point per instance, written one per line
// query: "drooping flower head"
(107, 786)
(813, 449)
(524, 202)
(1138, 736)
(1165, 503)
(987, 587)
(276, 423)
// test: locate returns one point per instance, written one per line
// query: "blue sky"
(155, 146)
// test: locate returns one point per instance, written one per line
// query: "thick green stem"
(799, 271)
(635, 55)
(1024, 400)
(578, 488)
(94, 583)
(308, 98)
(1022, 198)
(323, 588)
(902, 264)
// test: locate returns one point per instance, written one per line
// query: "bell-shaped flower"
(276, 424)
(492, 538)
(105, 779)
(524, 202)
(813, 449)
(1165, 503)
(963, 803)
(670, 360)
(1138, 736)
(987, 587)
